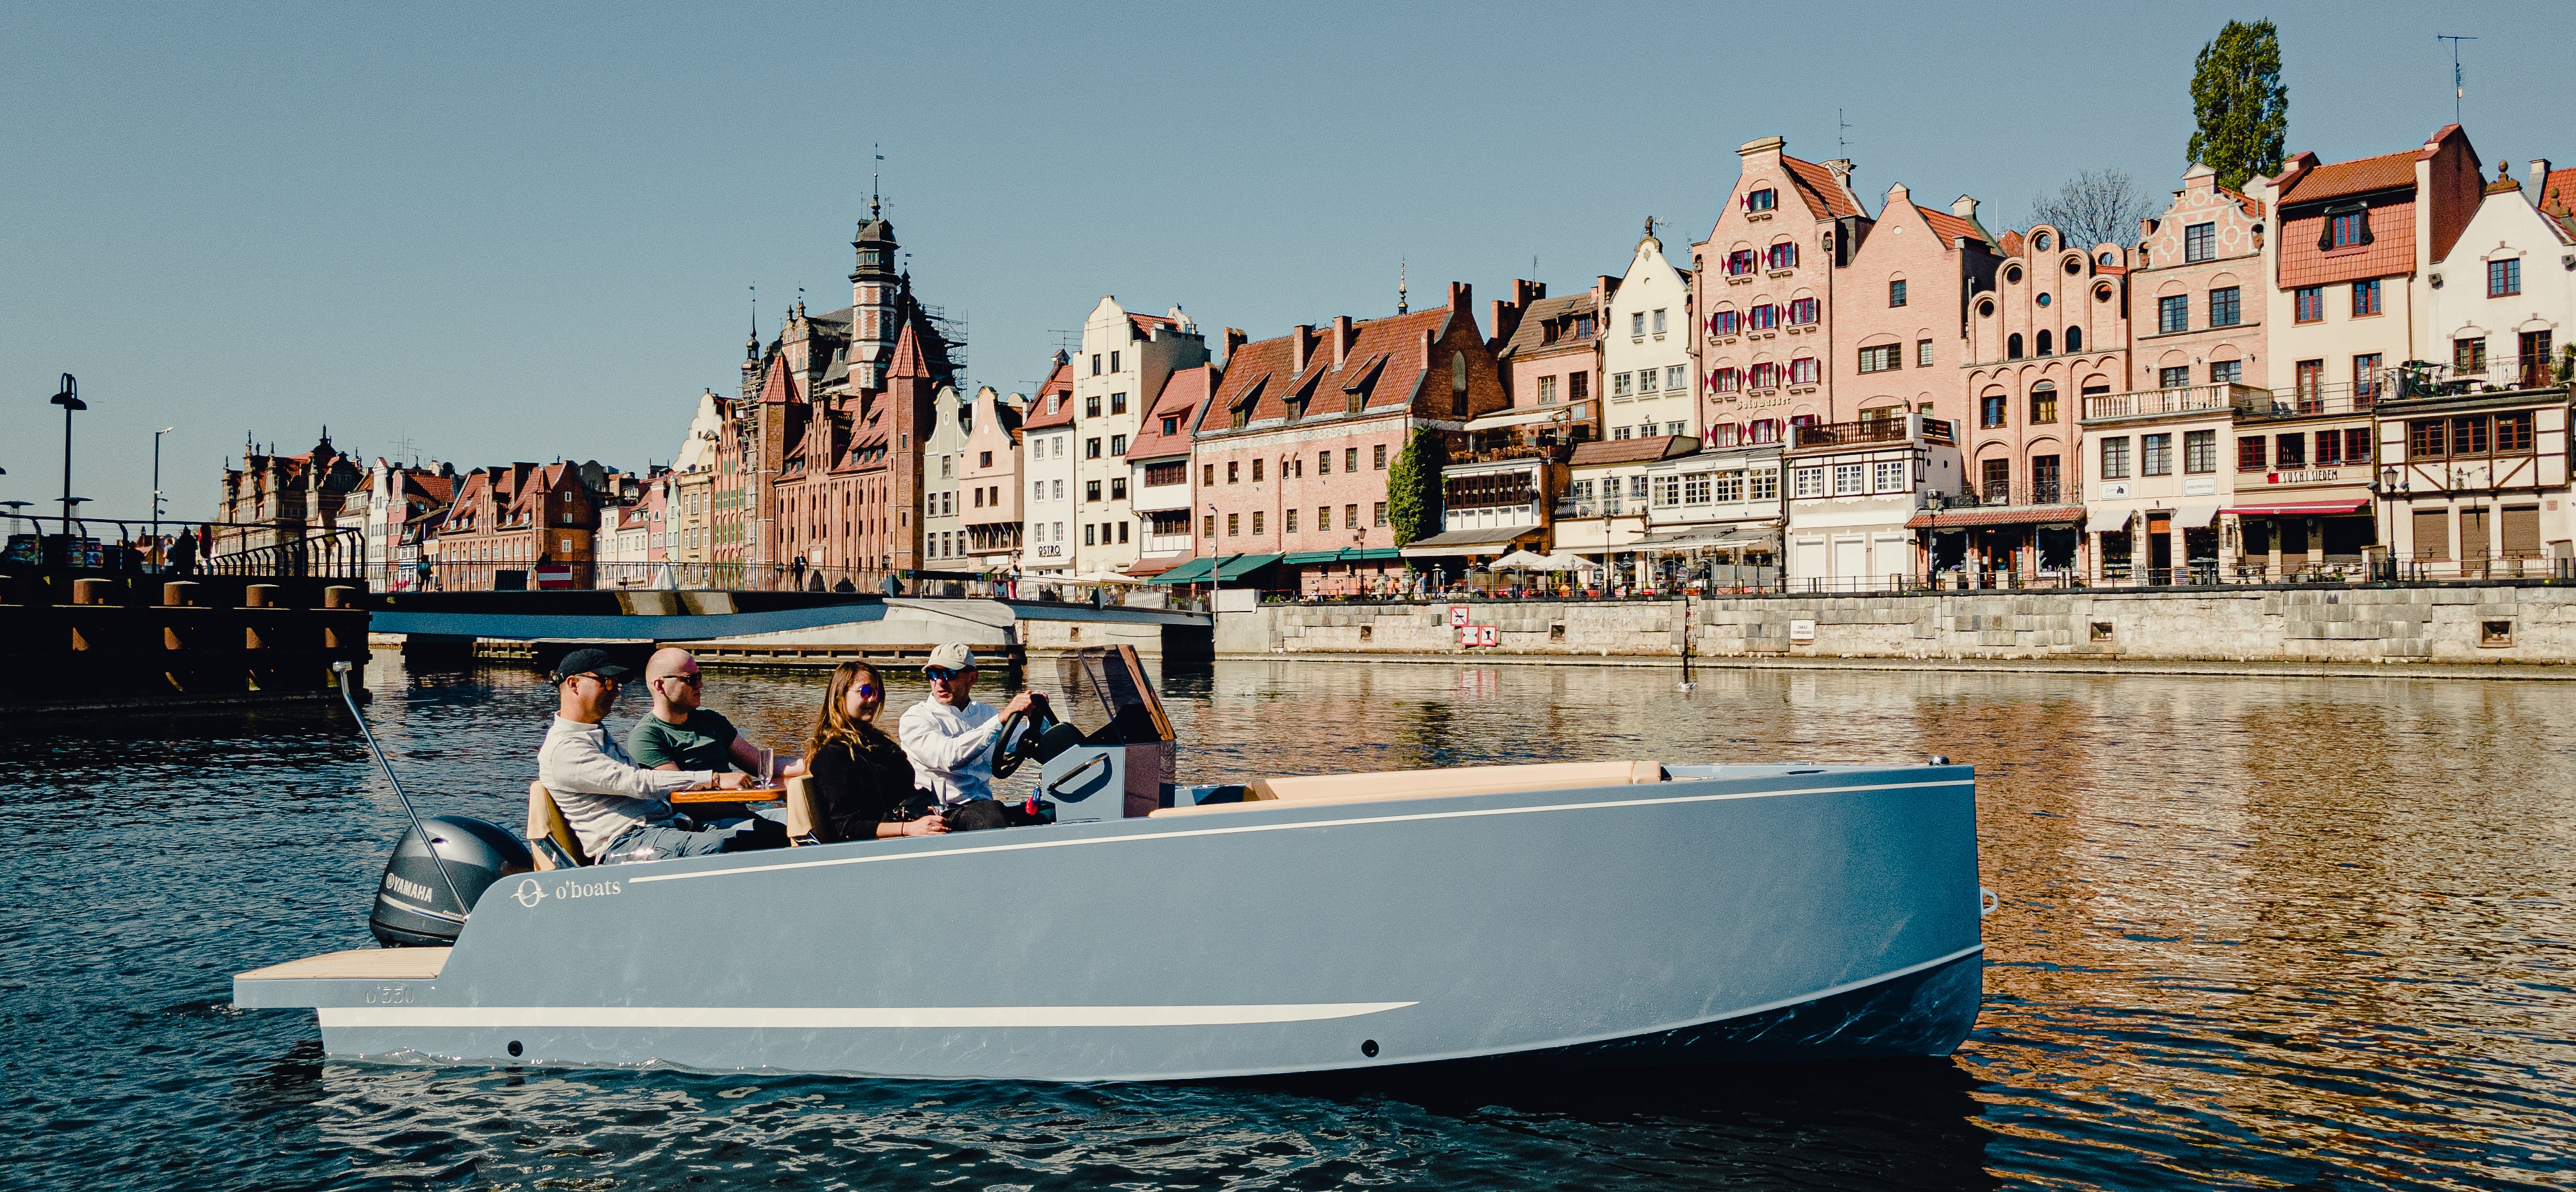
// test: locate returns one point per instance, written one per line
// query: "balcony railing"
(2188, 399)
(1867, 431)
(2421, 379)
(1487, 455)
(2022, 492)
(1573, 507)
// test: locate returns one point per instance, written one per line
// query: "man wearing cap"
(622, 811)
(949, 738)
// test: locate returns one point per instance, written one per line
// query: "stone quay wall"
(2498, 623)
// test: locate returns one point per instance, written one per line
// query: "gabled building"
(1763, 289)
(1053, 508)
(1125, 360)
(2048, 327)
(834, 411)
(1160, 483)
(1550, 357)
(1646, 349)
(1294, 449)
(989, 469)
(272, 499)
(2473, 457)
(2351, 261)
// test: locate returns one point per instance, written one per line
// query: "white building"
(1602, 515)
(1645, 351)
(1853, 487)
(1723, 504)
(2506, 291)
(943, 486)
(1054, 488)
(1124, 362)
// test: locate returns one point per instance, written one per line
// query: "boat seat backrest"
(1424, 784)
(546, 825)
(801, 820)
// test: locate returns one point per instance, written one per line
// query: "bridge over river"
(765, 628)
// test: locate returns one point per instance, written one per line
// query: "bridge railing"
(119, 546)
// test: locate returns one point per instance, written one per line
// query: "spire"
(1400, 304)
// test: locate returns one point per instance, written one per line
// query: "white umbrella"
(1570, 562)
(1105, 577)
(1521, 560)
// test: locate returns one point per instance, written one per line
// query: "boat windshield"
(1107, 697)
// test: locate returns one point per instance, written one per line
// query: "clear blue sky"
(525, 232)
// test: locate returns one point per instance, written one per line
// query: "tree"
(1413, 488)
(2241, 110)
(2094, 207)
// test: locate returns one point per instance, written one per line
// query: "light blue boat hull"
(1733, 912)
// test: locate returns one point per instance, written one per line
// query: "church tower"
(876, 313)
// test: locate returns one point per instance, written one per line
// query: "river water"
(2253, 933)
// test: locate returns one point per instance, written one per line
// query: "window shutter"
(2325, 239)
(2363, 218)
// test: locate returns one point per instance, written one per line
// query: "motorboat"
(1563, 914)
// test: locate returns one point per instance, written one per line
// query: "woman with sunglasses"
(860, 776)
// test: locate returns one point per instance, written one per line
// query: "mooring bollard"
(340, 596)
(180, 593)
(259, 596)
(92, 591)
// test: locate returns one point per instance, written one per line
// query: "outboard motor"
(414, 907)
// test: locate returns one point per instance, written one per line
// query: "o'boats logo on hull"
(531, 891)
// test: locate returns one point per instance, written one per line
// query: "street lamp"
(156, 492)
(1215, 562)
(69, 400)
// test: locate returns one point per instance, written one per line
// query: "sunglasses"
(942, 674)
(602, 680)
(865, 689)
(691, 680)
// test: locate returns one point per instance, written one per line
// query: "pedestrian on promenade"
(183, 555)
(796, 573)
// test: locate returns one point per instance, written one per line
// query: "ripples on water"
(2254, 933)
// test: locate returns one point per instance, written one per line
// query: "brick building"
(823, 456)
(519, 526)
(1762, 289)
(1159, 460)
(1294, 447)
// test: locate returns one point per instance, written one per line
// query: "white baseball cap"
(952, 656)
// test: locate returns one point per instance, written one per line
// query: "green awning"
(1313, 556)
(1238, 566)
(1363, 554)
(1193, 572)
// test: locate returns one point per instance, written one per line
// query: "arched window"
(2074, 339)
(2043, 402)
(2012, 346)
(2043, 345)
(2040, 242)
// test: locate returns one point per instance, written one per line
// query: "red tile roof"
(1045, 412)
(2390, 253)
(1384, 363)
(2384, 172)
(780, 387)
(2558, 192)
(1142, 326)
(1825, 196)
(1185, 393)
(1951, 228)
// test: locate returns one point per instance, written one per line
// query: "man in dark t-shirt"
(680, 735)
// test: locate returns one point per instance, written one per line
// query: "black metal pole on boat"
(69, 399)
(342, 670)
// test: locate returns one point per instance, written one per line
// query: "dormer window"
(2346, 229)
(1171, 424)
(1764, 199)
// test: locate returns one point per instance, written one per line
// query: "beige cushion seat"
(1318, 789)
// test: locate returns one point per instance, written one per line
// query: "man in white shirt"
(622, 811)
(949, 738)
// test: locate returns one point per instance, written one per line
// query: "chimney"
(1461, 296)
(1299, 340)
(1341, 339)
(1234, 338)
(2535, 183)
(1965, 207)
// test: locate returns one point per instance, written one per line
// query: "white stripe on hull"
(839, 1017)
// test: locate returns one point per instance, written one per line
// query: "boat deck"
(365, 964)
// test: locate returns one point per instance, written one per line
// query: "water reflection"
(2307, 933)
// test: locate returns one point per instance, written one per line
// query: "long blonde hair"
(833, 724)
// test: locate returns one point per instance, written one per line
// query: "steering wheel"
(1007, 759)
